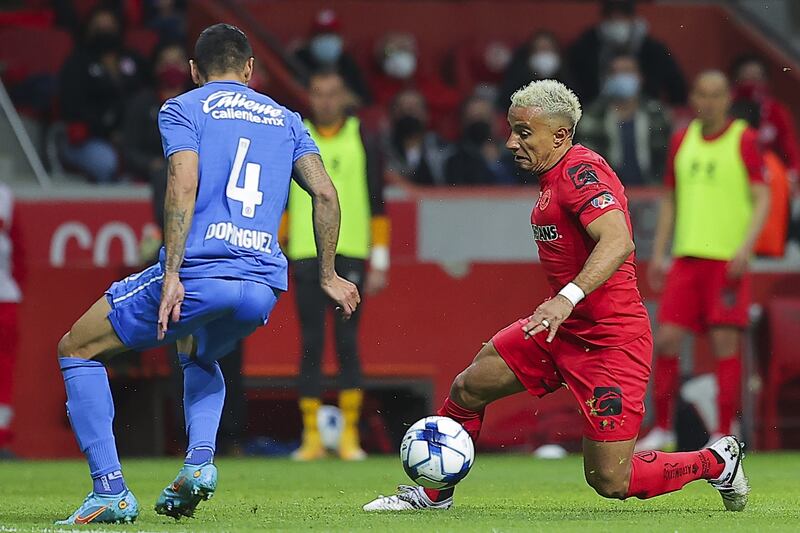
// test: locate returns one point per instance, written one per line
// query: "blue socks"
(91, 413)
(203, 399)
(111, 483)
(198, 456)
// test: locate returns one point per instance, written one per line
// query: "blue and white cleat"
(101, 509)
(193, 485)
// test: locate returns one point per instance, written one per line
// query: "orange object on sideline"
(773, 237)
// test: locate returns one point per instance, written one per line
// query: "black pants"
(312, 307)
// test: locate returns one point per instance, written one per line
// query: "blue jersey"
(246, 145)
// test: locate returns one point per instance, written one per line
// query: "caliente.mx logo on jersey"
(236, 105)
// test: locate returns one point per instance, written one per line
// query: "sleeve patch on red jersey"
(582, 174)
(603, 201)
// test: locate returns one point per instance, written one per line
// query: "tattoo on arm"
(310, 174)
(179, 207)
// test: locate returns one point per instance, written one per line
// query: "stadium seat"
(21, 49)
(142, 41)
(783, 368)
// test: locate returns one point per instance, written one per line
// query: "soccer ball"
(437, 452)
(330, 423)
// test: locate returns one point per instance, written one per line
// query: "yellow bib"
(346, 161)
(713, 204)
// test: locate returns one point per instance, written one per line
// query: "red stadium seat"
(22, 50)
(783, 368)
(141, 41)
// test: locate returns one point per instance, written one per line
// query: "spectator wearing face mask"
(397, 59)
(141, 144)
(325, 51)
(537, 59)
(776, 128)
(478, 158)
(95, 82)
(621, 31)
(414, 154)
(629, 129)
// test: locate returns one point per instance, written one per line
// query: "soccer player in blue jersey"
(231, 155)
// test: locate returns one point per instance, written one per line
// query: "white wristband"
(573, 293)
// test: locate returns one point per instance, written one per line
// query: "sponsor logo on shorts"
(603, 201)
(545, 233)
(582, 175)
(607, 401)
(607, 424)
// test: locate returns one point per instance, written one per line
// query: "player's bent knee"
(466, 395)
(608, 485)
(67, 347)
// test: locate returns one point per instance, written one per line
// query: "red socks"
(729, 378)
(471, 421)
(665, 388)
(655, 473)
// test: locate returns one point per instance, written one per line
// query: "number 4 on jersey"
(249, 195)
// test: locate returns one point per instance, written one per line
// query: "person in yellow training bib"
(716, 202)
(353, 161)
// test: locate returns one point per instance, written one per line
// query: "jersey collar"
(232, 82)
(553, 171)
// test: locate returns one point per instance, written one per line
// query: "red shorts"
(609, 382)
(698, 295)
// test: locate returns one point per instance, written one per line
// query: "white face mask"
(617, 31)
(622, 86)
(401, 64)
(326, 48)
(544, 64)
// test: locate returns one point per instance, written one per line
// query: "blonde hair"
(552, 97)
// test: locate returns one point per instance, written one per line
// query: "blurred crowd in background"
(128, 57)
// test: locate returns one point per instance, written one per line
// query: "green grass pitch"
(502, 493)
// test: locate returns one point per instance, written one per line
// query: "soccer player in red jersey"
(592, 335)
(717, 198)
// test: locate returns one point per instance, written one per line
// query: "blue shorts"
(216, 312)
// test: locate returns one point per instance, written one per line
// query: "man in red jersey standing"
(592, 336)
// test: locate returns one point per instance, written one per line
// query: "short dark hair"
(326, 72)
(221, 48)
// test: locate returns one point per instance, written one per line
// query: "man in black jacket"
(95, 82)
(619, 31)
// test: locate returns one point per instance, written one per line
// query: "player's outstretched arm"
(178, 211)
(614, 245)
(310, 174)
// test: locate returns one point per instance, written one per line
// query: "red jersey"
(580, 188)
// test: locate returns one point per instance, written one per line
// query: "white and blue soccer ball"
(437, 452)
